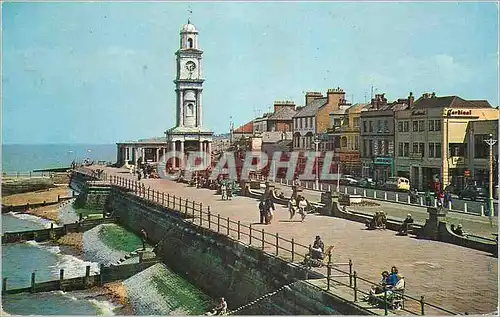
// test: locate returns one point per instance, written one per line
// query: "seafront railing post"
(218, 223)
(168, 200)
(228, 224)
(186, 207)
(163, 198)
(293, 249)
(201, 214)
(263, 238)
(355, 287)
(250, 235)
(239, 224)
(148, 192)
(277, 243)
(328, 271)
(422, 305)
(173, 203)
(192, 208)
(180, 204)
(210, 219)
(350, 273)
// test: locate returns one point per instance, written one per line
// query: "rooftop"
(431, 101)
(312, 108)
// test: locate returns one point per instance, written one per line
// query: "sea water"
(19, 260)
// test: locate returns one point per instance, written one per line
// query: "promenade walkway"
(457, 278)
(473, 224)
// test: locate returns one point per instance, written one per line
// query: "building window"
(371, 126)
(365, 126)
(306, 123)
(300, 123)
(406, 126)
(481, 149)
(458, 149)
(356, 143)
(311, 122)
(380, 147)
(189, 112)
(415, 126)
(190, 43)
(386, 126)
(431, 125)
(421, 149)
(407, 149)
(379, 126)
(400, 126)
(391, 148)
(438, 150)
(365, 150)
(370, 144)
(343, 142)
(421, 126)
(400, 148)
(356, 122)
(415, 147)
(431, 149)
(437, 125)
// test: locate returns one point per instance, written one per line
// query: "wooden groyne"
(53, 233)
(106, 275)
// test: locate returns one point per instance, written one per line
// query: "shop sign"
(458, 112)
(350, 157)
(418, 113)
(457, 160)
(383, 161)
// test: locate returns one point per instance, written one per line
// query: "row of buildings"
(425, 139)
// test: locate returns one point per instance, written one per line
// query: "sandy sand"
(48, 212)
(118, 295)
(36, 196)
(73, 240)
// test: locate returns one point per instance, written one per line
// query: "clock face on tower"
(190, 66)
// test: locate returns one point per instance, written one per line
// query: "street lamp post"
(316, 143)
(491, 142)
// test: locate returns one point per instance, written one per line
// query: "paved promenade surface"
(457, 278)
(473, 224)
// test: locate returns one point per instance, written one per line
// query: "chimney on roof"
(311, 96)
(411, 99)
(426, 95)
(336, 93)
(433, 95)
(378, 101)
(278, 104)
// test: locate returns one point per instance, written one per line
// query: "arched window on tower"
(190, 43)
(189, 111)
(343, 142)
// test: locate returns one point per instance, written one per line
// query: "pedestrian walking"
(144, 238)
(262, 208)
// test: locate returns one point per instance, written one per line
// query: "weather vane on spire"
(190, 12)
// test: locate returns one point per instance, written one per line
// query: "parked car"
(397, 184)
(367, 182)
(473, 192)
(348, 180)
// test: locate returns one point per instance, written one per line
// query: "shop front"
(350, 163)
(383, 168)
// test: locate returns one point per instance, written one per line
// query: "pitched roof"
(246, 128)
(312, 108)
(285, 113)
(449, 102)
(357, 107)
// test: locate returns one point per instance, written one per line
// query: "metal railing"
(273, 244)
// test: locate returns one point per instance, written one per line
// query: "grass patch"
(119, 238)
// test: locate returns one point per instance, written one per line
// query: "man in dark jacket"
(144, 238)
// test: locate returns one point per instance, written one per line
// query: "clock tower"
(189, 80)
(188, 135)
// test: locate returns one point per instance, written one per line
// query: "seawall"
(222, 266)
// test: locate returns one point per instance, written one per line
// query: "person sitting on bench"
(377, 289)
(406, 225)
(318, 249)
(398, 288)
(375, 222)
(220, 309)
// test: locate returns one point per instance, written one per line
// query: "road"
(469, 206)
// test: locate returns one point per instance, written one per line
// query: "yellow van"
(397, 184)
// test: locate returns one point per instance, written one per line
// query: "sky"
(92, 72)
